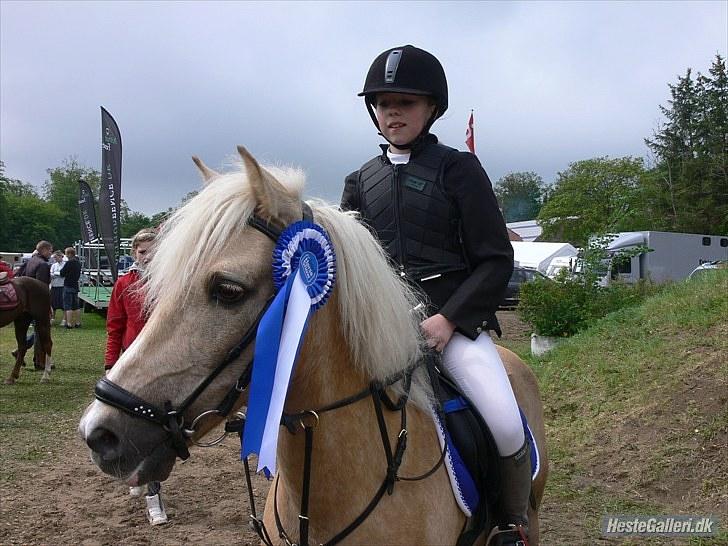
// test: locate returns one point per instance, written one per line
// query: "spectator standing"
(71, 273)
(57, 285)
(38, 268)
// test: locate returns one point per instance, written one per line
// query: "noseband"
(172, 418)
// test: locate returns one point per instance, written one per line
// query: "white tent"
(527, 230)
(539, 255)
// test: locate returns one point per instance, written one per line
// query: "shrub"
(555, 308)
(569, 304)
(573, 302)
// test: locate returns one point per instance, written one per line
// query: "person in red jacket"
(124, 320)
(125, 315)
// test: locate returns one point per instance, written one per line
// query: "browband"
(274, 232)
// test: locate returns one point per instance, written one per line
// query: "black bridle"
(172, 418)
(173, 421)
(308, 420)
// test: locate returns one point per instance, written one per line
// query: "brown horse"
(204, 306)
(34, 304)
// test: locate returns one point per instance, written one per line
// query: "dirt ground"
(67, 500)
(514, 329)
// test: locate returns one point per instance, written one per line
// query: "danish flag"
(470, 135)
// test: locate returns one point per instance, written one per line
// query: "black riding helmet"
(406, 69)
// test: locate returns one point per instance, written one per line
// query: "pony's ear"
(207, 173)
(273, 201)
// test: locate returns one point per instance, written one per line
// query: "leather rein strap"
(309, 420)
(172, 418)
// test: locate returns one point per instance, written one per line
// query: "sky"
(550, 83)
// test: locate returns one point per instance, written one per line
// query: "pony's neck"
(348, 462)
(324, 372)
(325, 375)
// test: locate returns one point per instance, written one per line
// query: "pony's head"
(209, 280)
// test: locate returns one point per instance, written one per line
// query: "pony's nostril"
(104, 442)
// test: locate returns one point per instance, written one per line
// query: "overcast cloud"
(550, 82)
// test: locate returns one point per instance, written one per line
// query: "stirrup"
(508, 535)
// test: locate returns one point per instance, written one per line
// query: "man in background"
(71, 273)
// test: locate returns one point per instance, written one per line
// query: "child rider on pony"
(434, 211)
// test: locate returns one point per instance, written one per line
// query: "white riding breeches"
(478, 371)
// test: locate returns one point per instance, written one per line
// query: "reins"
(309, 421)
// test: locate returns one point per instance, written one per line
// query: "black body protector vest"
(412, 215)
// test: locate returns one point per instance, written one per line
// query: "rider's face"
(141, 252)
(402, 117)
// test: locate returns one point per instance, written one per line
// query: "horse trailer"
(669, 256)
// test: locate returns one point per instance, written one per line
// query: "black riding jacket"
(439, 221)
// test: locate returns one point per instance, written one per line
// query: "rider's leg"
(478, 371)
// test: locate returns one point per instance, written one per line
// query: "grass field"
(637, 409)
(36, 418)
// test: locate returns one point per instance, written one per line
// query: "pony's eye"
(228, 292)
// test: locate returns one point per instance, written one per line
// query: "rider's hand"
(438, 331)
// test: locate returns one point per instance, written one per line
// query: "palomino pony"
(190, 357)
(34, 304)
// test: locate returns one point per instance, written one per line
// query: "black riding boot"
(515, 493)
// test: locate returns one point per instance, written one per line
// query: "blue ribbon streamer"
(265, 357)
(304, 266)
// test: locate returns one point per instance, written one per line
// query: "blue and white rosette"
(304, 272)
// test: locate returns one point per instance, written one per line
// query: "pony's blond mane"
(375, 306)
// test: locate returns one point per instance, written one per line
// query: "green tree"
(188, 196)
(520, 195)
(25, 218)
(61, 190)
(598, 195)
(688, 188)
(132, 222)
(32, 219)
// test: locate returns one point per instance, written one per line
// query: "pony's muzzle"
(104, 443)
(125, 447)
